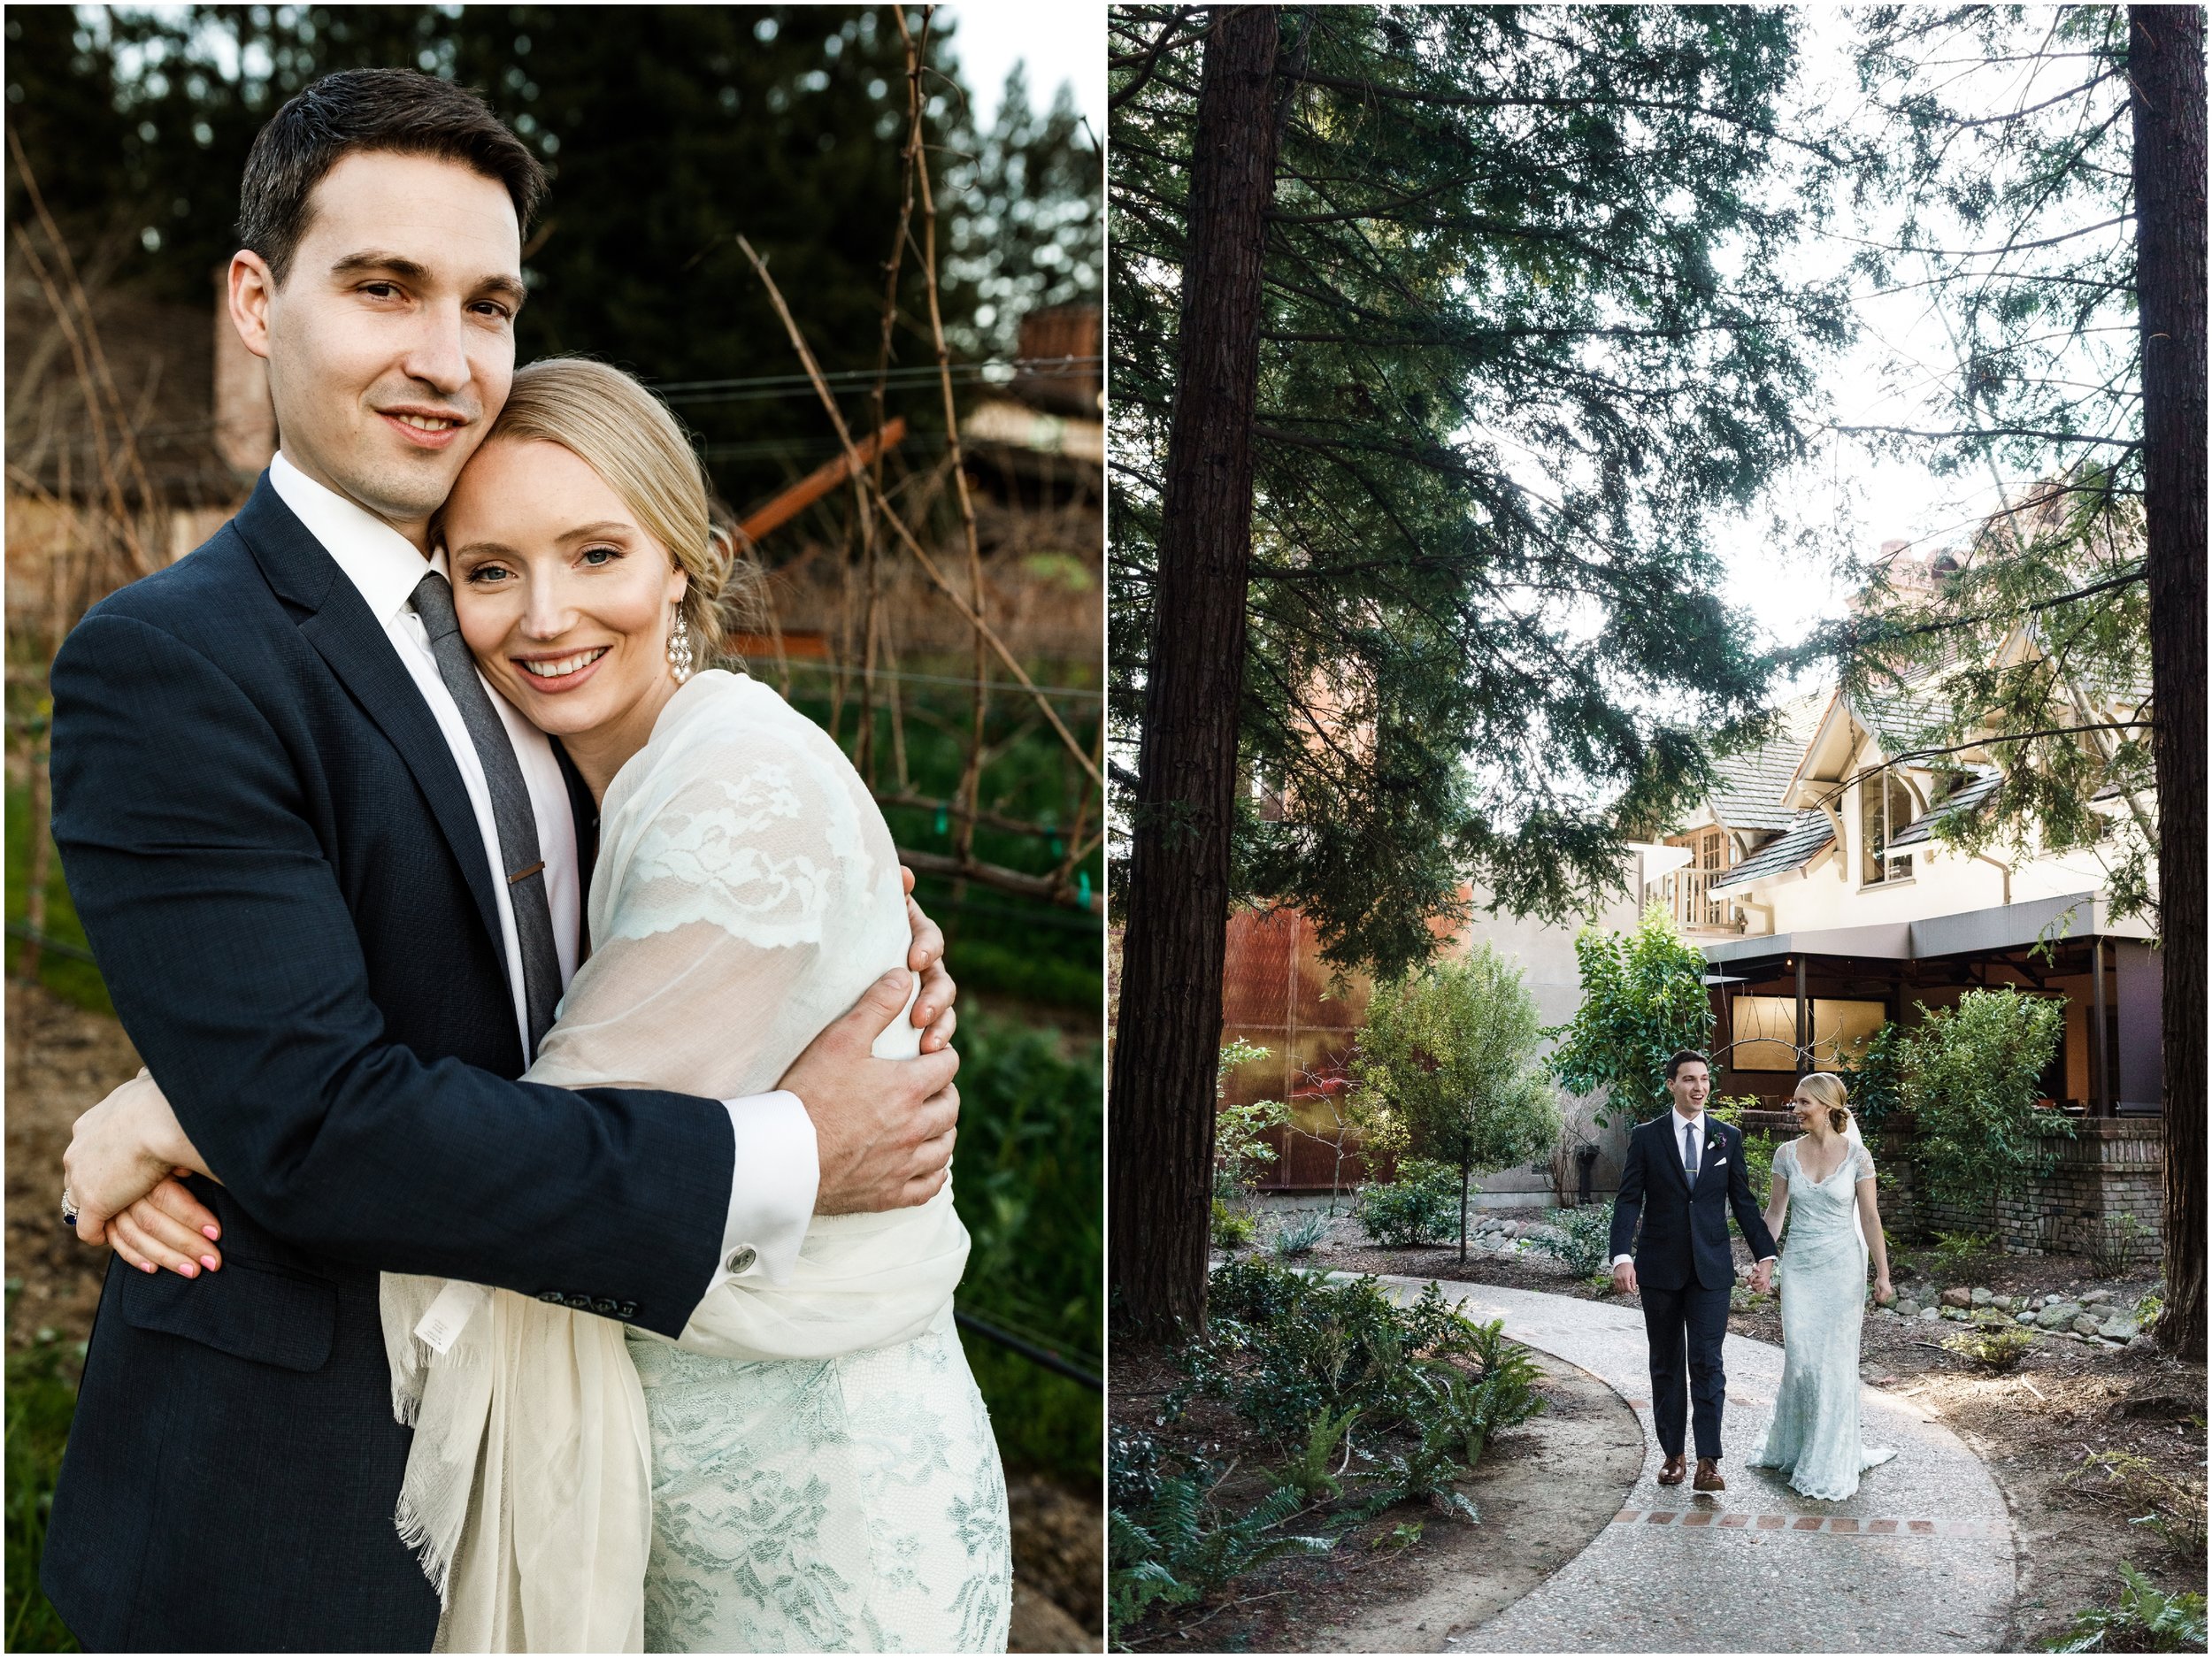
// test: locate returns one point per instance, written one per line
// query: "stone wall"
(2113, 1168)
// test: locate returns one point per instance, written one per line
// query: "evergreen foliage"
(1643, 1001)
(1525, 324)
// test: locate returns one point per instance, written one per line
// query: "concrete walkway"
(1919, 1560)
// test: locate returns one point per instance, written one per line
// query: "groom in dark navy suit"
(334, 891)
(1683, 1173)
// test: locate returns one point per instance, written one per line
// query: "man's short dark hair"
(1687, 1056)
(399, 111)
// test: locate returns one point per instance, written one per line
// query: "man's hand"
(883, 1128)
(123, 1147)
(933, 1008)
(1762, 1276)
(1625, 1277)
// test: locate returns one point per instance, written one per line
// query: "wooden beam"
(786, 506)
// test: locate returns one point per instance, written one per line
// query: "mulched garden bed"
(2035, 1426)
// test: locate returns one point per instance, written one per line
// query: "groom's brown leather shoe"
(1708, 1476)
(1671, 1474)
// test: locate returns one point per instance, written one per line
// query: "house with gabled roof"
(1826, 904)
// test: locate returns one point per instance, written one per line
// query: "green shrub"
(1420, 1206)
(1971, 1077)
(1025, 1181)
(1232, 1227)
(2145, 1620)
(1877, 1086)
(1582, 1238)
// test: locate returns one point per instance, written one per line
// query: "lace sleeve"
(1784, 1161)
(742, 902)
(1862, 1164)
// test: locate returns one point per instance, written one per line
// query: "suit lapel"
(343, 633)
(1665, 1125)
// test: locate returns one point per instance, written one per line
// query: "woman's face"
(1809, 1110)
(566, 601)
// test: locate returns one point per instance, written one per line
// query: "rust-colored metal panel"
(1255, 973)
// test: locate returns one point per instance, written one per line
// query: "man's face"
(391, 342)
(1692, 1081)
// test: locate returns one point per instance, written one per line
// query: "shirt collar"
(379, 561)
(1682, 1122)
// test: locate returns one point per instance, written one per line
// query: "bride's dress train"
(1814, 1439)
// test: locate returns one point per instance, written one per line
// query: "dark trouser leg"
(1663, 1329)
(1705, 1319)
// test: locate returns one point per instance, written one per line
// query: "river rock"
(1958, 1298)
(2121, 1328)
(2057, 1315)
(1982, 1297)
(1908, 1308)
(2024, 1316)
(2094, 1296)
(2086, 1326)
(1930, 1312)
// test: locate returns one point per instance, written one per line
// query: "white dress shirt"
(777, 1168)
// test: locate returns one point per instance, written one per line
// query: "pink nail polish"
(211, 1232)
(189, 1270)
(208, 1262)
(146, 1266)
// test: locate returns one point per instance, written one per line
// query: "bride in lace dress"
(1824, 1183)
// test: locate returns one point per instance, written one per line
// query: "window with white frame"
(1885, 806)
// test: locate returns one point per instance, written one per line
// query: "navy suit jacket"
(1684, 1237)
(275, 859)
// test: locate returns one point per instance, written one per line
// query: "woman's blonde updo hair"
(624, 434)
(1824, 1088)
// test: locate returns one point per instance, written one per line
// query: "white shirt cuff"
(1618, 1259)
(772, 1182)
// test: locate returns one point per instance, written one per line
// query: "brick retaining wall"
(2112, 1167)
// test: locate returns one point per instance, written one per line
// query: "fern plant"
(2147, 1619)
(1181, 1547)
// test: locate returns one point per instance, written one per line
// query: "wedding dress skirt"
(822, 1473)
(1814, 1439)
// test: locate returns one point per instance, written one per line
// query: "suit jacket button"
(603, 1307)
(628, 1309)
(553, 1296)
(741, 1259)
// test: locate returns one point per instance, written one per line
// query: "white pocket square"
(1718, 1163)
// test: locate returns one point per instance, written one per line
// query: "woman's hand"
(170, 1228)
(1883, 1294)
(123, 1147)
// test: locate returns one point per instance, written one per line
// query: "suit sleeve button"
(741, 1259)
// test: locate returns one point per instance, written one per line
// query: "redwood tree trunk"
(2166, 77)
(1161, 1117)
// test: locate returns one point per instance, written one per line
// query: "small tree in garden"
(1447, 1068)
(1643, 999)
(1239, 1151)
(1969, 1076)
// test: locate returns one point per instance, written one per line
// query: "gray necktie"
(511, 811)
(1689, 1152)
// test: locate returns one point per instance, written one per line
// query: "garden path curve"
(1920, 1560)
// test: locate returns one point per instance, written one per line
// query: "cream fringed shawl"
(746, 893)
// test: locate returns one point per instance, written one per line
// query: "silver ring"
(69, 1210)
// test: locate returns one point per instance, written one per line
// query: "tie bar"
(523, 875)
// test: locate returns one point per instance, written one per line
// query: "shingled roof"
(1919, 831)
(1807, 835)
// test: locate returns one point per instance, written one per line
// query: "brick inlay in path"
(1919, 1560)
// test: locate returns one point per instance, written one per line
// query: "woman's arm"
(1878, 1247)
(1778, 1203)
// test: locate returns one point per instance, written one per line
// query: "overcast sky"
(1056, 42)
